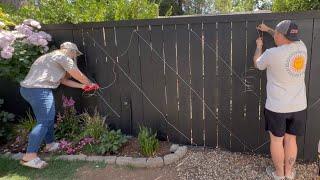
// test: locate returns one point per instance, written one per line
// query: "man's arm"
(264, 28)
(258, 52)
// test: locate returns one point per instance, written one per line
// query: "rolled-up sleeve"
(262, 61)
(66, 63)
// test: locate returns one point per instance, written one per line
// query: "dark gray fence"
(191, 78)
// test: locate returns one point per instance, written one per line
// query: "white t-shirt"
(286, 66)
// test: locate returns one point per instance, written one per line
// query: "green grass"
(57, 169)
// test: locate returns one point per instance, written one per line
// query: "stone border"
(177, 152)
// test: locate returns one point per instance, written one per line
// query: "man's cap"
(70, 46)
(289, 29)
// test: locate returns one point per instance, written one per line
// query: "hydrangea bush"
(20, 47)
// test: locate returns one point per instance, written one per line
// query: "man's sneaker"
(272, 173)
(292, 176)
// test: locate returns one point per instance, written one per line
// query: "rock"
(155, 162)
(139, 162)
(73, 157)
(110, 159)
(174, 147)
(170, 158)
(17, 156)
(96, 158)
(123, 161)
(181, 151)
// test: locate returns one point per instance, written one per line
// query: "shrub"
(20, 48)
(111, 142)
(25, 125)
(5, 124)
(70, 11)
(68, 123)
(147, 141)
(94, 126)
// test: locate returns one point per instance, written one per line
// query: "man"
(286, 95)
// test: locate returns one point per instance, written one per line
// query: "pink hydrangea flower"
(32, 23)
(24, 29)
(6, 39)
(45, 35)
(7, 52)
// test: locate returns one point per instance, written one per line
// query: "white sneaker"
(272, 173)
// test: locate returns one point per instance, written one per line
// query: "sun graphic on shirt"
(298, 63)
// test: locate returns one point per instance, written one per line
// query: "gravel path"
(217, 164)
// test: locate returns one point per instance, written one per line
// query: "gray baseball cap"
(289, 29)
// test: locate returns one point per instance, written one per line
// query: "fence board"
(312, 135)
(210, 84)
(224, 64)
(252, 94)
(238, 87)
(124, 37)
(184, 120)
(171, 80)
(196, 61)
(159, 80)
(135, 74)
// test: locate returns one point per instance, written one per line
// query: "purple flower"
(67, 102)
(45, 35)
(6, 39)
(24, 29)
(7, 52)
(32, 23)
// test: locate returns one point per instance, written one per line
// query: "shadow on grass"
(57, 169)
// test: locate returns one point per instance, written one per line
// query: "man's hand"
(264, 28)
(259, 43)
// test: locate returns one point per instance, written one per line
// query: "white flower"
(2, 25)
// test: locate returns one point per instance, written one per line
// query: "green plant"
(111, 141)
(26, 124)
(68, 123)
(94, 126)
(85, 11)
(147, 141)
(5, 124)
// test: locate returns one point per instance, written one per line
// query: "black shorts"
(280, 123)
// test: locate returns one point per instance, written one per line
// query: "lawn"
(57, 169)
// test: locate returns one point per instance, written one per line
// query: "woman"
(47, 73)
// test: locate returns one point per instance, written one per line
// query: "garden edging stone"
(152, 162)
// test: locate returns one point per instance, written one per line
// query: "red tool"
(91, 87)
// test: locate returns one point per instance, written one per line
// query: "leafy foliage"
(111, 142)
(76, 11)
(295, 5)
(5, 124)
(147, 141)
(94, 126)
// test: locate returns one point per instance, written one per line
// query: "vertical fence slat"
(252, 92)
(146, 76)
(159, 80)
(268, 42)
(224, 52)
(124, 35)
(112, 92)
(210, 84)
(135, 74)
(305, 34)
(238, 87)
(184, 120)
(171, 80)
(197, 84)
(312, 135)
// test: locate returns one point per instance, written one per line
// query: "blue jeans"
(43, 106)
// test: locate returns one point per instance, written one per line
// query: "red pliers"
(90, 87)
